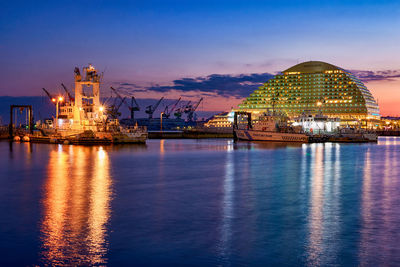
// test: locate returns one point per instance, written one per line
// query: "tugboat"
(268, 127)
(84, 120)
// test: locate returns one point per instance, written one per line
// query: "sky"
(219, 50)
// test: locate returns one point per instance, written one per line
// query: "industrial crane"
(52, 98)
(179, 111)
(70, 97)
(134, 106)
(167, 113)
(113, 110)
(191, 109)
(150, 109)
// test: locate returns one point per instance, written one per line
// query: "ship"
(306, 128)
(269, 127)
(83, 119)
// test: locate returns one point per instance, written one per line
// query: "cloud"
(369, 76)
(220, 84)
(229, 85)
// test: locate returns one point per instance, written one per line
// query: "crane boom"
(133, 101)
(197, 105)
(167, 112)
(47, 93)
(131, 108)
(120, 104)
(51, 97)
(157, 104)
(191, 109)
(174, 106)
(69, 95)
(150, 109)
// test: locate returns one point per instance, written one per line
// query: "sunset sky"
(221, 50)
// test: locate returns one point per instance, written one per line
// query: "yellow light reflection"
(76, 206)
(99, 211)
(366, 206)
(316, 214)
(162, 149)
(227, 206)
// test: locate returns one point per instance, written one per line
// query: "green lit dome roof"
(312, 67)
(302, 86)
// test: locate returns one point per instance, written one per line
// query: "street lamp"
(59, 99)
(161, 116)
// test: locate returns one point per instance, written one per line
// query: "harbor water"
(200, 202)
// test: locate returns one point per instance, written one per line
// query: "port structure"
(190, 109)
(50, 96)
(28, 109)
(152, 108)
(167, 111)
(70, 97)
(113, 110)
(134, 106)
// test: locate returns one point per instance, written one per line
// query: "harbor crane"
(150, 109)
(113, 110)
(179, 111)
(167, 113)
(70, 97)
(134, 106)
(52, 98)
(190, 109)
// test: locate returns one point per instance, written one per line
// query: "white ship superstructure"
(84, 111)
(269, 128)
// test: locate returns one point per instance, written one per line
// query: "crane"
(70, 97)
(134, 106)
(52, 98)
(179, 111)
(113, 110)
(167, 113)
(191, 109)
(150, 109)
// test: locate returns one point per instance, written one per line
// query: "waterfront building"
(317, 87)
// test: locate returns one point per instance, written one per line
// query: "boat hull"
(252, 135)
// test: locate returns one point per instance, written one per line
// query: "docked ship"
(83, 119)
(306, 128)
(269, 127)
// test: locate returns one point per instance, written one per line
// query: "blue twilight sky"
(149, 44)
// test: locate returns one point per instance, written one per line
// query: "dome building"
(314, 86)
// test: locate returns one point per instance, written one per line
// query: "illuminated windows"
(300, 88)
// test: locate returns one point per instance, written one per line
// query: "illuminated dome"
(312, 67)
(313, 86)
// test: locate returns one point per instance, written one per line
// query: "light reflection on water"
(221, 203)
(76, 206)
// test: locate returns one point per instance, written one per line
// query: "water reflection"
(76, 206)
(316, 204)
(227, 205)
(379, 207)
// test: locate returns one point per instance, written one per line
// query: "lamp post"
(58, 100)
(161, 116)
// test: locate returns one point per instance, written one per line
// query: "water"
(200, 202)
